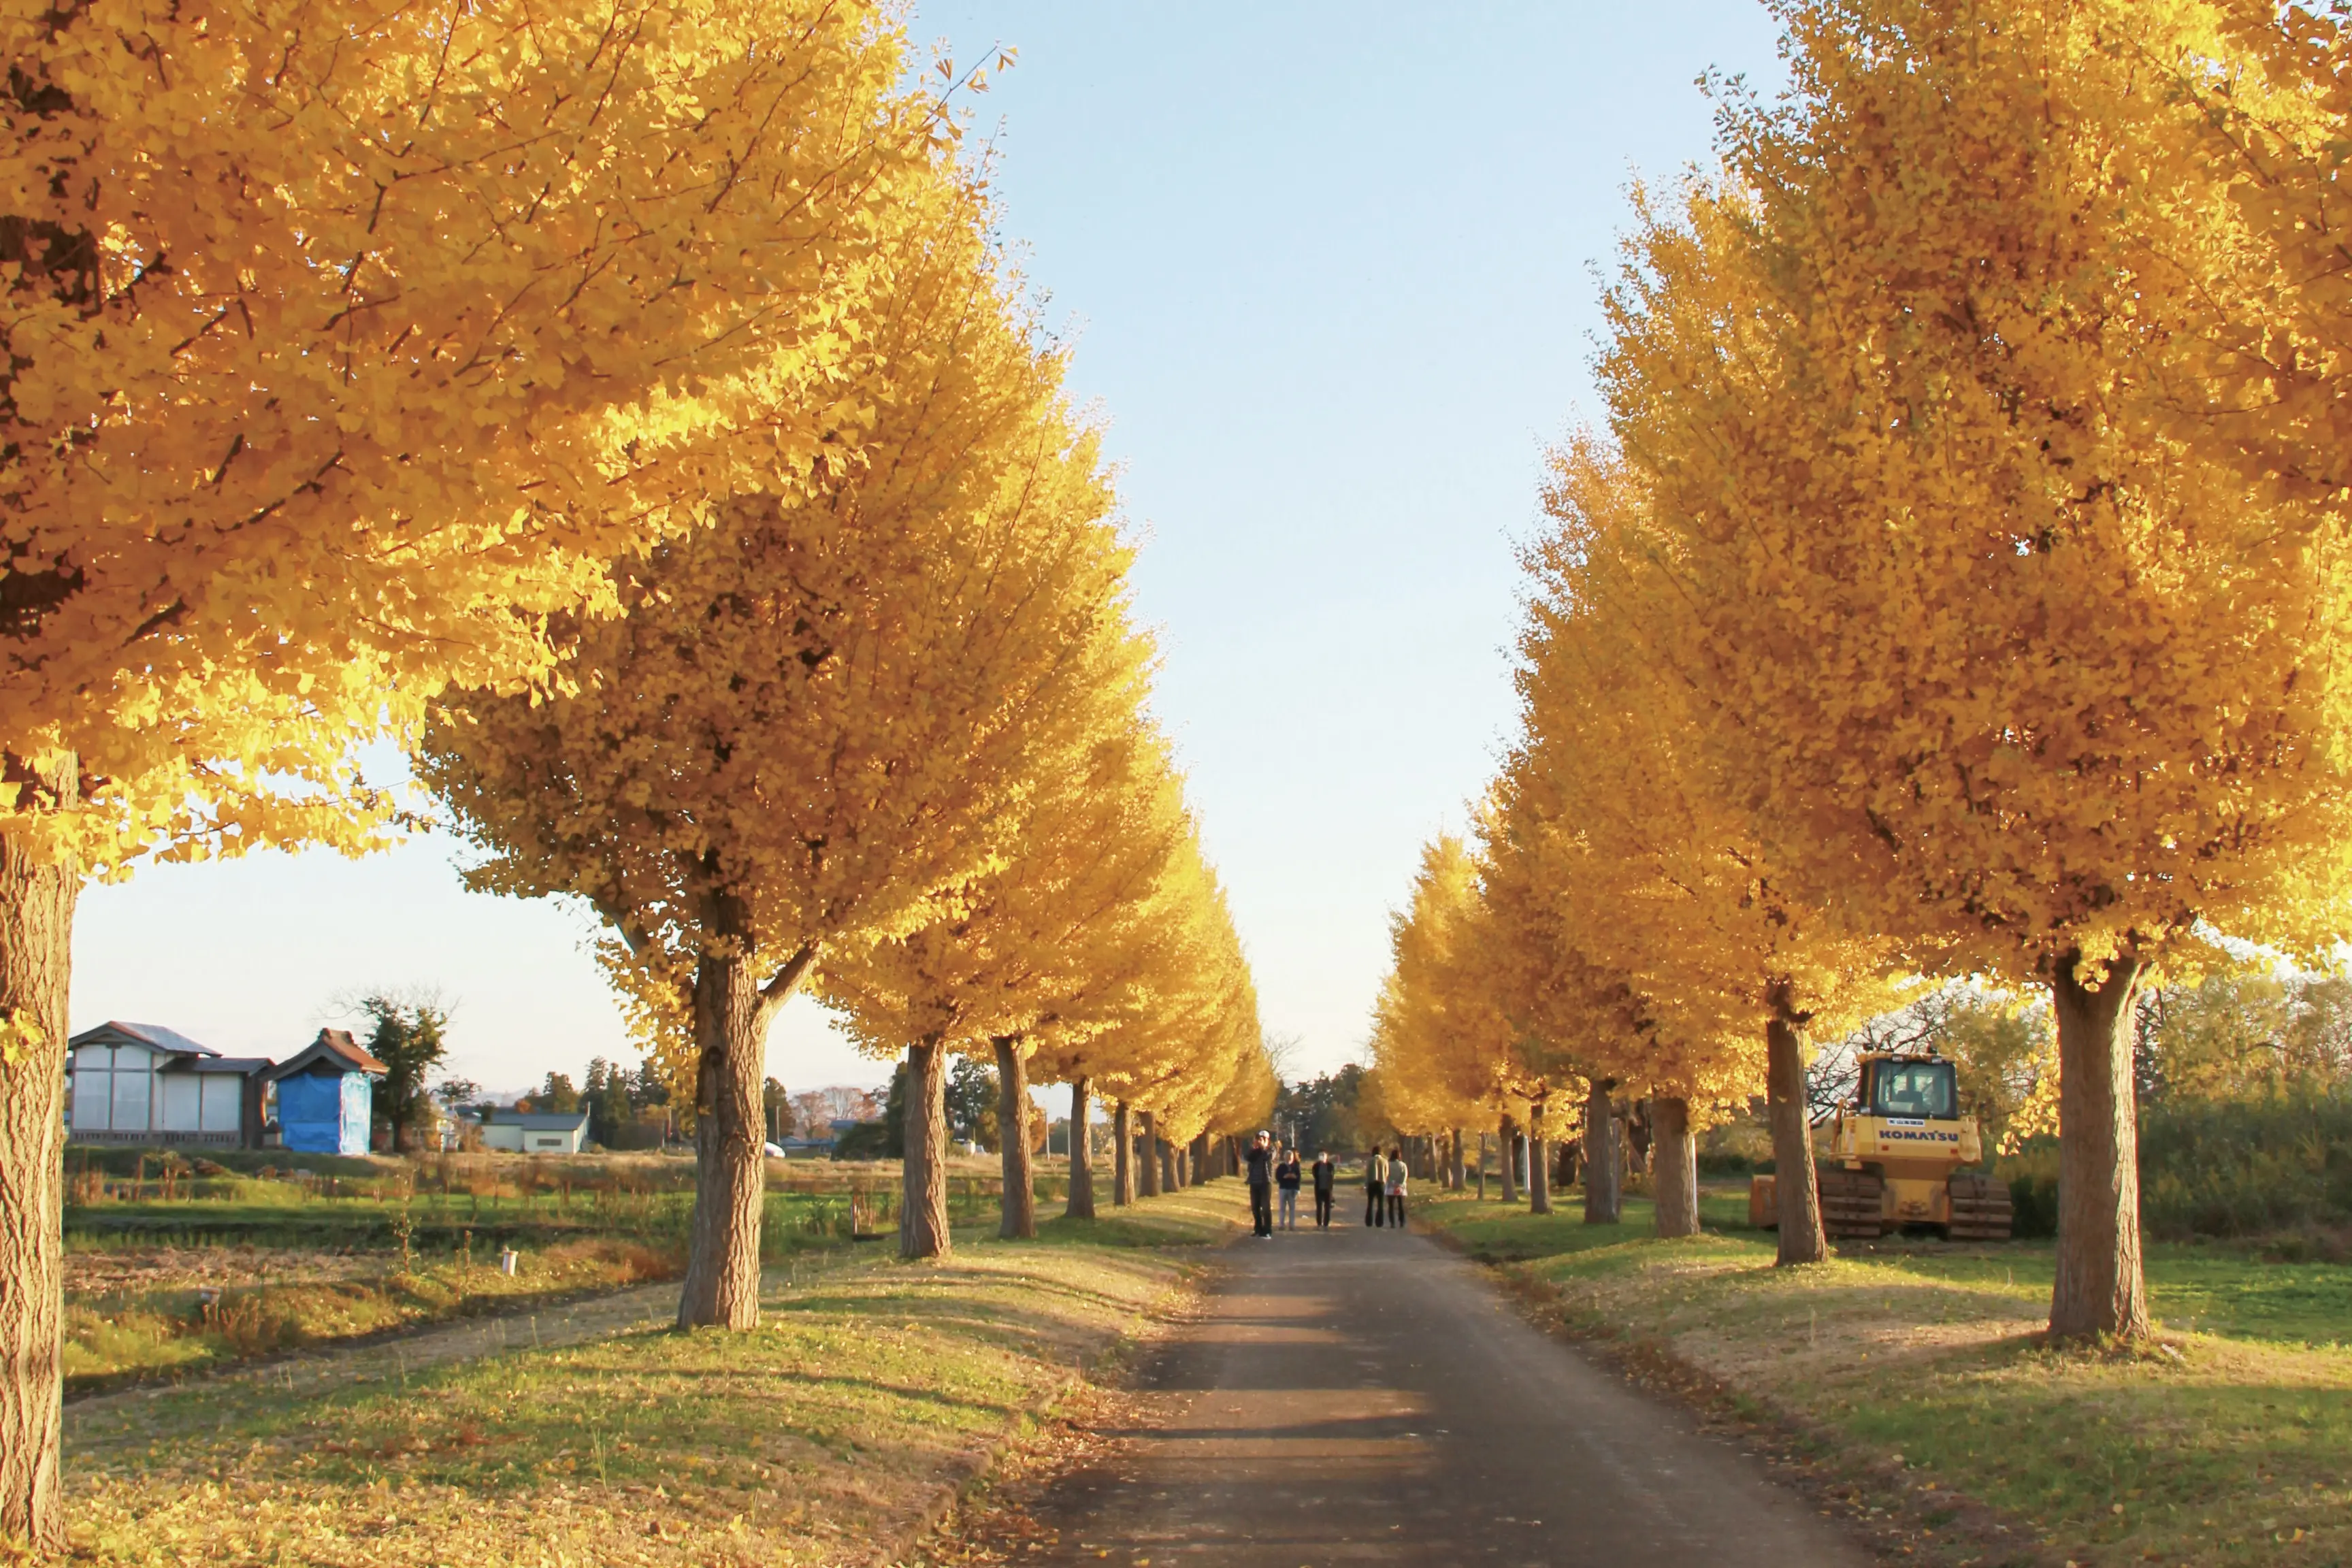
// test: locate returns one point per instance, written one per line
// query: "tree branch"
(784, 983)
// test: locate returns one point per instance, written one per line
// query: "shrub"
(2241, 1167)
(2246, 1166)
(2032, 1176)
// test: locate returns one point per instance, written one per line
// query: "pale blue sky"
(1329, 271)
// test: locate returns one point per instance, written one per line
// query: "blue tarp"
(325, 1113)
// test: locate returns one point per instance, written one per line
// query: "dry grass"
(193, 1308)
(1923, 1380)
(829, 1435)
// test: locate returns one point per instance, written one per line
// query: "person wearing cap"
(1260, 1155)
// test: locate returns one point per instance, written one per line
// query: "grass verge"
(170, 1325)
(832, 1434)
(187, 1285)
(1918, 1374)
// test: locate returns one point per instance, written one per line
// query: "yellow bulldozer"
(1900, 1153)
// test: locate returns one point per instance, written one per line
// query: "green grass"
(289, 1266)
(2217, 1450)
(116, 1337)
(584, 1242)
(834, 1427)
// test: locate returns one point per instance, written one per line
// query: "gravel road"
(1359, 1396)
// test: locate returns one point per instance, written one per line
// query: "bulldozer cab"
(1909, 1086)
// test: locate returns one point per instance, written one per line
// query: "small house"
(326, 1095)
(535, 1131)
(143, 1083)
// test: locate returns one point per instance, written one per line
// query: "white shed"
(143, 1083)
(535, 1131)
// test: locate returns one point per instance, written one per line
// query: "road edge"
(1798, 1455)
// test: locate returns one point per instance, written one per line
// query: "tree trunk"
(37, 911)
(923, 1206)
(1198, 1166)
(1604, 1187)
(1082, 1157)
(1538, 1162)
(1509, 1137)
(1481, 1167)
(2101, 1289)
(1676, 1170)
(1122, 1156)
(1796, 1191)
(722, 1264)
(1456, 1172)
(1148, 1156)
(1017, 1212)
(1171, 1167)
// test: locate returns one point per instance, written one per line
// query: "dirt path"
(109, 1420)
(1361, 1396)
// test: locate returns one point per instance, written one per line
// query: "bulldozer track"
(1980, 1209)
(1852, 1202)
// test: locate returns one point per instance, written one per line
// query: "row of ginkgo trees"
(1961, 586)
(626, 409)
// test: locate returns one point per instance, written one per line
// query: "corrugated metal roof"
(154, 1035)
(539, 1120)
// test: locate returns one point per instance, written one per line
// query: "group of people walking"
(1274, 1170)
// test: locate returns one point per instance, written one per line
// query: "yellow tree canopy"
(826, 706)
(321, 319)
(1041, 944)
(1566, 1011)
(1656, 873)
(815, 715)
(2006, 645)
(1439, 1044)
(1999, 651)
(1189, 1022)
(1247, 1100)
(2270, 127)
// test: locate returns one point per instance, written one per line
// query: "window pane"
(130, 1101)
(91, 1110)
(1920, 1088)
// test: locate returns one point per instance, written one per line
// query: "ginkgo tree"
(1029, 945)
(325, 323)
(1107, 854)
(1187, 1024)
(817, 715)
(1437, 1039)
(1648, 860)
(2000, 648)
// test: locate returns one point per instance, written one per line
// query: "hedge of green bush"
(2217, 1168)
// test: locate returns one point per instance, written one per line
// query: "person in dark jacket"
(1285, 1183)
(1327, 1177)
(1260, 1157)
